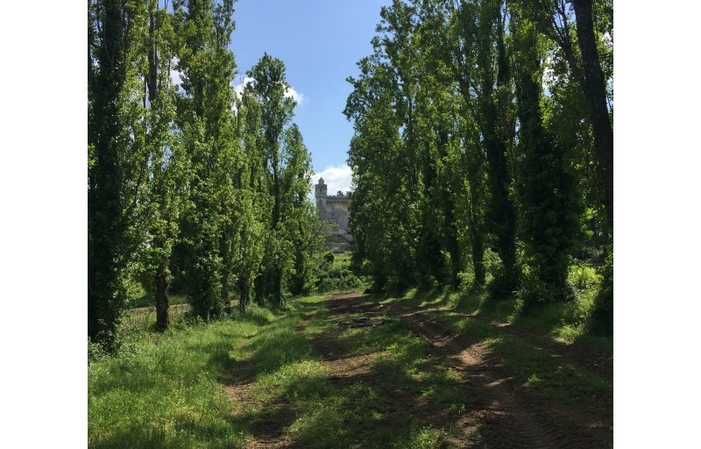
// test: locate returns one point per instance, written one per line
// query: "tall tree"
(585, 42)
(206, 123)
(299, 214)
(168, 180)
(465, 49)
(116, 168)
(374, 154)
(286, 169)
(493, 87)
(594, 86)
(549, 204)
(251, 198)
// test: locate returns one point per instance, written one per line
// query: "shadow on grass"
(184, 434)
(580, 369)
(402, 397)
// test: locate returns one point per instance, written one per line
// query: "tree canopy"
(190, 186)
(482, 156)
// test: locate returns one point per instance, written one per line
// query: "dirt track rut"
(503, 413)
(511, 415)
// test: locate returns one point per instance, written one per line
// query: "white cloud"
(296, 96)
(336, 178)
(238, 88)
(176, 77)
(290, 92)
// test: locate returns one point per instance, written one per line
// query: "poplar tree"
(452, 131)
(251, 198)
(166, 196)
(374, 153)
(206, 129)
(286, 176)
(549, 205)
(583, 31)
(493, 86)
(116, 159)
(299, 214)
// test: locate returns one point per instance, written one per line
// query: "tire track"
(513, 416)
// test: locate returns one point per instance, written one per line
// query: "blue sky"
(320, 42)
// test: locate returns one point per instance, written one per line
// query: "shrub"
(601, 321)
(338, 278)
(583, 277)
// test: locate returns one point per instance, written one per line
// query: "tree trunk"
(162, 299)
(243, 294)
(224, 253)
(477, 233)
(152, 78)
(595, 92)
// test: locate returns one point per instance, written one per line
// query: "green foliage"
(338, 279)
(291, 238)
(328, 259)
(601, 320)
(206, 124)
(477, 159)
(115, 160)
(334, 274)
(583, 277)
(550, 207)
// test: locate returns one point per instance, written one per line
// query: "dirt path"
(503, 413)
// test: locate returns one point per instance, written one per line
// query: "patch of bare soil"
(502, 412)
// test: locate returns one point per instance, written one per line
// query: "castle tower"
(320, 193)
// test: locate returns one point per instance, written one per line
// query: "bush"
(601, 321)
(583, 277)
(337, 278)
(536, 293)
(329, 258)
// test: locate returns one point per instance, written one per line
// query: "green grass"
(164, 391)
(552, 376)
(169, 390)
(342, 260)
(474, 316)
(319, 411)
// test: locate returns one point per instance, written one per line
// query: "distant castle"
(334, 209)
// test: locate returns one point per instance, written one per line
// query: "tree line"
(189, 182)
(483, 146)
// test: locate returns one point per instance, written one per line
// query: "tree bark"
(152, 78)
(224, 253)
(162, 299)
(595, 92)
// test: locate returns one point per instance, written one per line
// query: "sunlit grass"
(170, 390)
(319, 411)
(473, 315)
(163, 391)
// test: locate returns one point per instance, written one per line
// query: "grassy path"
(415, 382)
(430, 376)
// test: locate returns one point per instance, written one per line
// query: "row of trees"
(189, 179)
(484, 127)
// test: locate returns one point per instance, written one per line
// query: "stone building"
(334, 209)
